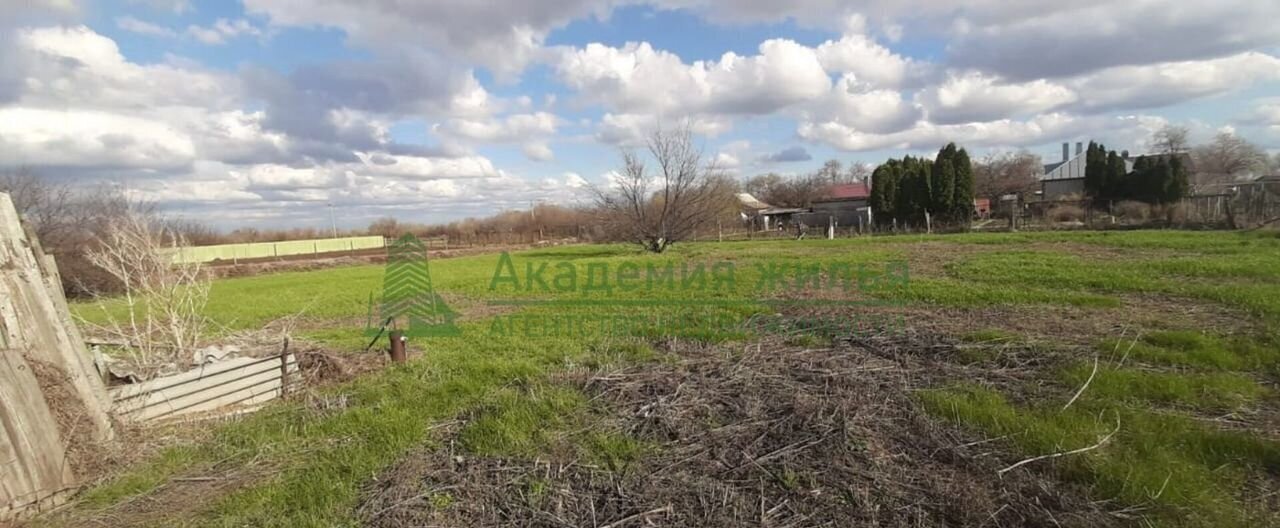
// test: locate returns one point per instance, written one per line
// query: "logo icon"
(409, 302)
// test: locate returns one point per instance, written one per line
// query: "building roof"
(1074, 168)
(846, 191)
(751, 202)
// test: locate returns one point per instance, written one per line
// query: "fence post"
(284, 368)
(397, 346)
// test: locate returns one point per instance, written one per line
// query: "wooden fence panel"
(35, 326)
(33, 462)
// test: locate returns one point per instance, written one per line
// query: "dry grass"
(763, 434)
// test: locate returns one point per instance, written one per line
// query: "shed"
(845, 204)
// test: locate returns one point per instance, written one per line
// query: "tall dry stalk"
(163, 301)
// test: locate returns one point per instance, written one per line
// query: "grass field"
(1178, 425)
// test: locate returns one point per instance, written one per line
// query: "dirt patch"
(762, 435)
(320, 367)
(173, 502)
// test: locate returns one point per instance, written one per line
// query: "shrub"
(1175, 213)
(1133, 211)
(1066, 213)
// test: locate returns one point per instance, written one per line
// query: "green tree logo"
(409, 302)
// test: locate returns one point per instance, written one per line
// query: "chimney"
(1079, 147)
(1066, 151)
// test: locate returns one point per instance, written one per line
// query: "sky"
(279, 113)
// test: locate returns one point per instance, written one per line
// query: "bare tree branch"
(657, 210)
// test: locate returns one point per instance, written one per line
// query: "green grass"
(313, 462)
(1215, 391)
(522, 421)
(1196, 349)
(1084, 281)
(1191, 473)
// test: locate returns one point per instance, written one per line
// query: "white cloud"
(926, 135)
(574, 180)
(1266, 112)
(61, 66)
(1008, 75)
(1072, 39)
(538, 151)
(869, 63)
(283, 177)
(632, 129)
(502, 36)
(512, 128)
(532, 130)
(638, 78)
(141, 27)
(974, 96)
(1116, 131)
(223, 30)
(1161, 84)
(726, 161)
(422, 168)
(87, 139)
(875, 111)
(176, 6)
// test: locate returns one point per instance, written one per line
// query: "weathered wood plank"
(40, 325)
(35, 323)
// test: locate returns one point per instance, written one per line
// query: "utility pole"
(333, 221)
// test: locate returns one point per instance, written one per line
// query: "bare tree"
(386, 227)
(69, 222)
(1225, 159)
(1006, 173)
(795, 191)
(1171, 139)
(162, 318)
(832, 171)
(658, 210)
(859, 172)
(46, 206)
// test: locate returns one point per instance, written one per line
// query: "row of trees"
(1158, 179)
(542, 220)
(70, 223)
(913, 191)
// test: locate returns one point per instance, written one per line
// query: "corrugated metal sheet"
(1072, 168)
(224, 386)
